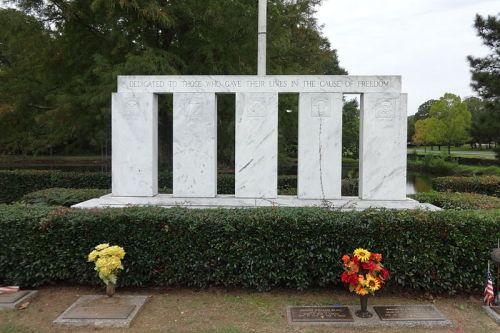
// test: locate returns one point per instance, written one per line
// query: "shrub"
(225, 183)
(438, 252)
(475, 161)
(455, 200)
(62, 196)
(17, 183)
(489, 185)
(437, 165)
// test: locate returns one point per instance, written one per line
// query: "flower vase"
(110, 289)
(364, 313)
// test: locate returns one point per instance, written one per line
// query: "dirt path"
(220, 311)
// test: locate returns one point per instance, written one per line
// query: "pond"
(416, 182)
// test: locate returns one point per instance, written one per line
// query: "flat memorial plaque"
(317, 314)
(408, 313)
(100, 312)
(12, 298)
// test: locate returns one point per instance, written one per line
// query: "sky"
(425, 41)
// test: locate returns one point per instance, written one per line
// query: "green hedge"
(68, 197)
(17, 183)
(455, 200)
(489, 185)
(62, 196)
(438, 252)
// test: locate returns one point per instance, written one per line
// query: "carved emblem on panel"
(194, 108)
(320, 107)
(132, 109)
(256, 107)
(386, 109)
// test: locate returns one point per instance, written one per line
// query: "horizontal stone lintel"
(230, 201)
(250, 83)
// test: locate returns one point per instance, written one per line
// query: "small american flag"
(9, 289)
(489, 295)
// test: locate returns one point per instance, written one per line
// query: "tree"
(350, 129)
(411, 128)
(420, 136)
(424, 110)
(429, 131)
(455, 119)
(421, 114)
(486, 71)
(484, 127)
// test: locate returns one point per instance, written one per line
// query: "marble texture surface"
(135, 144)
(320, 146)
(382, 170)
(195, 145)
(256, 151)
(230, 201)
(259, 84)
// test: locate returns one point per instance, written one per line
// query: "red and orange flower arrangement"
(364, 272)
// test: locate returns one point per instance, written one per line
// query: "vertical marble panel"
(195, 145)
(135, 144)
(256, 145)
(382, 170)
(320, 146)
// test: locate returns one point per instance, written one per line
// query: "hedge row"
(455, 200)
(62, 196)
(439, 252)
(460, 160)
(489, 185)
(68, 197)
(15, 184)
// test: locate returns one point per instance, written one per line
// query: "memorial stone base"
(13, 301)
(230, 201)
(102, 311)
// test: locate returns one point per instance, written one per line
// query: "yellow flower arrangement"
(108, 261)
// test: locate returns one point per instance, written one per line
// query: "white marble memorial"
(256, 153)
(135, 144)
(195, 145)
(382, 169)
(320, 146)
(382, 177)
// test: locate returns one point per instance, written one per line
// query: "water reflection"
(415, 182)
(418, 182)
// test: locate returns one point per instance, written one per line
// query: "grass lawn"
(464, 151)
(236, 311)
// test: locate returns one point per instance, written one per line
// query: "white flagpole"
(262, 31)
